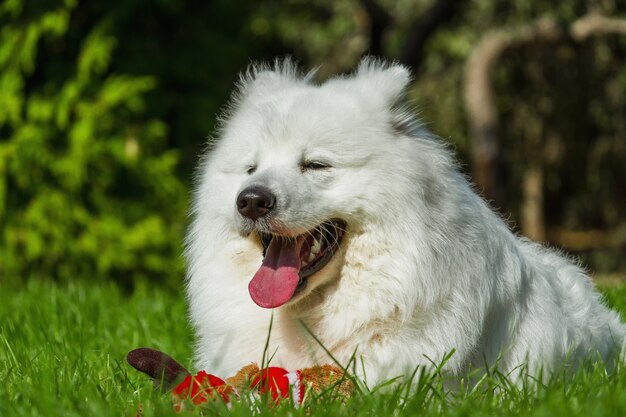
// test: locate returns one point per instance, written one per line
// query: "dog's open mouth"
(288, 262)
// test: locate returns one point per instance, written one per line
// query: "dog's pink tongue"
(276, 281)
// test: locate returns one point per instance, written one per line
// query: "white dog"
(331, 206)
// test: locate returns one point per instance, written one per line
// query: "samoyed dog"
(330, 210)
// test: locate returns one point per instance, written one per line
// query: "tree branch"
(440, 13)
(479, 97)
(379, 21)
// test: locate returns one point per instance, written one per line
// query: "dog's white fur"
(426, 267)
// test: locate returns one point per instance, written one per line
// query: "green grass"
(63, 347)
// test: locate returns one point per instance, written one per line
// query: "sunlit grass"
(63, 347)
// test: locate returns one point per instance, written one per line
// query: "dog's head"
(298, 169)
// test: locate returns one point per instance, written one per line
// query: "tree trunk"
(532, 221)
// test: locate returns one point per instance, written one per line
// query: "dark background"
(105, 106)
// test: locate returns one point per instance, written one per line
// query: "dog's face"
(304, 162)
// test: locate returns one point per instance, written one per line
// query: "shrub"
(87, 183)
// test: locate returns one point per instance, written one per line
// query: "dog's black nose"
(255, 202)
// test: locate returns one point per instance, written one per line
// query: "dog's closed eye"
(313, 165)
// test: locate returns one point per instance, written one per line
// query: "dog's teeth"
(317, 245)
(311, 256)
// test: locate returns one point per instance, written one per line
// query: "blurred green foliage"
(104, 106)
(88, 184)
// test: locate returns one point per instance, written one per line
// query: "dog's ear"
(387, 80)
(165, 372)
(380, 83)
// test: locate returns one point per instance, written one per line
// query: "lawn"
(63, 347)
